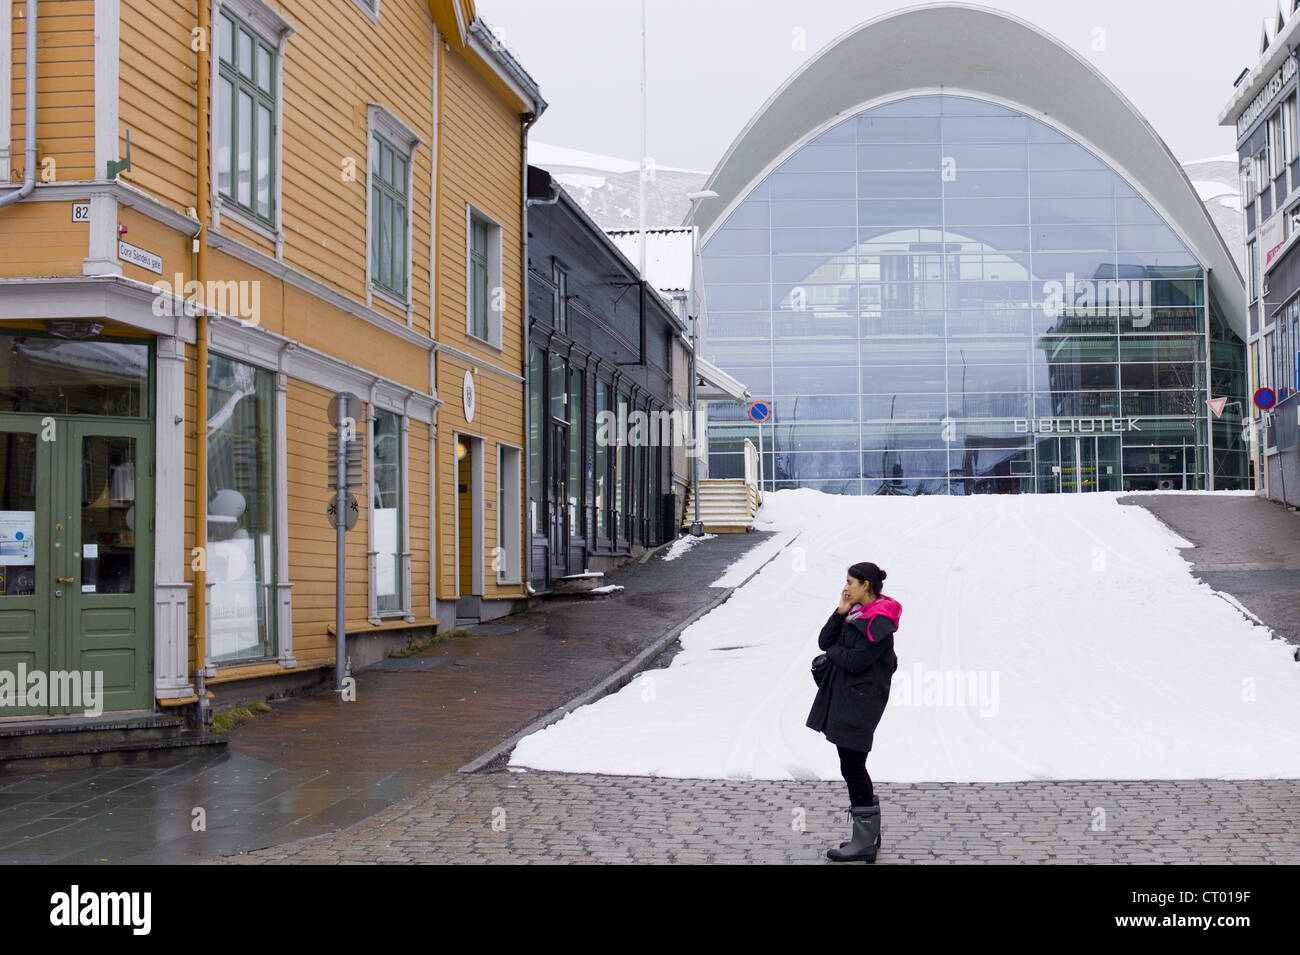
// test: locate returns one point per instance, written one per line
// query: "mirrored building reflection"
(955, 293)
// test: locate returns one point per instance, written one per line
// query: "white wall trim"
(111, 297)
(108, 18)
(257, 346)
(371, 15)
(260, 260)
(511, 572)
(283, 585)
(171, 590)
(478, 362)
(433, 195)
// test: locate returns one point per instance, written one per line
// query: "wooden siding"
(65, 88)
(40, 238)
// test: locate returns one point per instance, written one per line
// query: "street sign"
(354, 408)
(759, 411)
(1216, 405)
(1265, 398)
(356, 463)
(349, 515)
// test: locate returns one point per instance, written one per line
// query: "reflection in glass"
(241, 510)
(900, 286)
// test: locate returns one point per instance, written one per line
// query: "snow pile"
(685, 543)
(1042, 637)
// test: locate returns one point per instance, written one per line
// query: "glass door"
(557, 494)
(76, 562)
(108, 556)
(25, 581)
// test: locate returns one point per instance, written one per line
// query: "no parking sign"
(759, 411)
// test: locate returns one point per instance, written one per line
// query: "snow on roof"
(667, 256)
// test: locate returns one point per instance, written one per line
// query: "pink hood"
(880, 607)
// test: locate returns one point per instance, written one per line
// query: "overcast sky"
(712, 63)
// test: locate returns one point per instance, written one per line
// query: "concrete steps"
(74, 742)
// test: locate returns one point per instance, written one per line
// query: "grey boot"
(875, 801)
(866, 836)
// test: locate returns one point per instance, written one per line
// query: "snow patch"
(1042, 637)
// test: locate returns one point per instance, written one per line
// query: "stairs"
(75, 742)
(727, 506)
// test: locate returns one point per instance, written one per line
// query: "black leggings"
(853, 767)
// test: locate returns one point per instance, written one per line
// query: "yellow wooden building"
(215, 217)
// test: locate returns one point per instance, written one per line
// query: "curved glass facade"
(942, 295)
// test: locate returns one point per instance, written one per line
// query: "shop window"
(387, 527)
(241, 510)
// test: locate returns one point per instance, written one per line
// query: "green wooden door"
(25, 575)
(88, 605)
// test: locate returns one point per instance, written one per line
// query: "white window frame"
(375, 615)
(275, 31)
(496, 239)
(371, 15)
(509, 510)
(405, 140)
(253, 346)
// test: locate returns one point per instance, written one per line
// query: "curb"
(623, 675)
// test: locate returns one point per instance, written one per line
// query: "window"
(388, 210)
(1252, 266)
(507, 557)
(561, 281)
(392, 145)
(604, 528)
(369, 7)
(536, 384)
(388, 531)
(485, 299)
(1263, 176)
(577, 521)
(244, 126)
(241, 557)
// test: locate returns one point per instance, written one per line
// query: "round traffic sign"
(759, 411)
(350, 512)
(332, 410)
(1265, 398)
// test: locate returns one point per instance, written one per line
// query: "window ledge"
(250, 222)
(384, 295)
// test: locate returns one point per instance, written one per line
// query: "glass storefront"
(241, 510)
(942, 295)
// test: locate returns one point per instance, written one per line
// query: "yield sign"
(1216, 405)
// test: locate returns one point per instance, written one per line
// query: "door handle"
(64, 580)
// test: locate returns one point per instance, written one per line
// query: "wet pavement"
(317, 764)
(1246, 546)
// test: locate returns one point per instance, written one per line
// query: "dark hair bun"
(883, 575)
(868, 572)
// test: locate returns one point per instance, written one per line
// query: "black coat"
(852, 697)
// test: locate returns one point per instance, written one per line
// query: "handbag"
(821, 665)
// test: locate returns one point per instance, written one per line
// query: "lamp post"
(697, 526)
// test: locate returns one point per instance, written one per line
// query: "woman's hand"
(845, 603)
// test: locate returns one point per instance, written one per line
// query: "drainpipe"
(29, 115)
(203, 206)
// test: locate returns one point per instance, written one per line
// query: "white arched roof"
(962, 48)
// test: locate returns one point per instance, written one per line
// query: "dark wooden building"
(600, 341)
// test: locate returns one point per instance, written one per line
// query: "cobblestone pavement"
(567, 818)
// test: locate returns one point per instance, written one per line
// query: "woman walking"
(858, 641)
